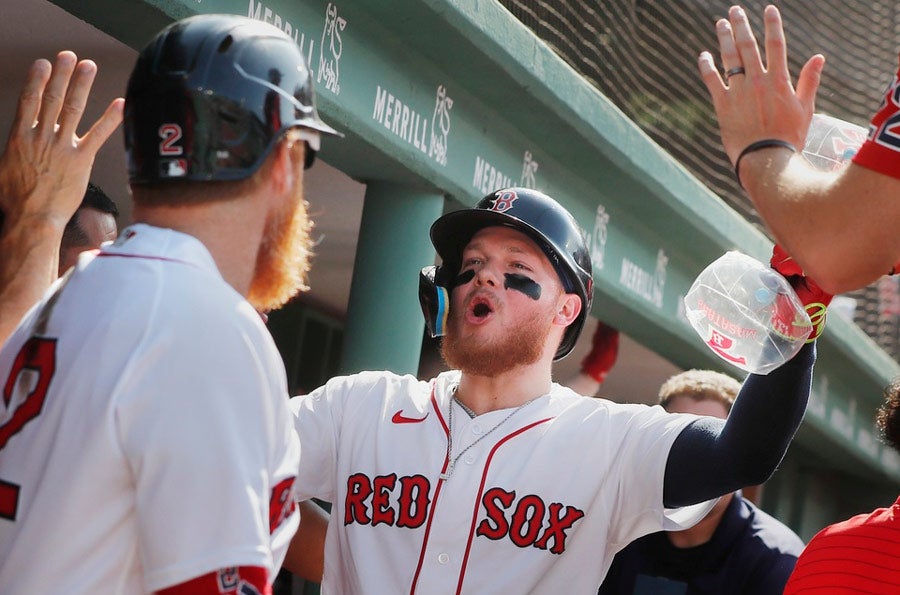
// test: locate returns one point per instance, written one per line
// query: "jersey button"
(470, 459)
(476, 429)
(443, 558)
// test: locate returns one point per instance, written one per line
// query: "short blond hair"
(700, 385)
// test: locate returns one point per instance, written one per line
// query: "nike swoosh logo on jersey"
(399, 418)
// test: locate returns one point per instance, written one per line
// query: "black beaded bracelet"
(760, 144)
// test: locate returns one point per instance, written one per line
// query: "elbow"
(828, 275)
(759, 476)
(759, 468)
(837, 269)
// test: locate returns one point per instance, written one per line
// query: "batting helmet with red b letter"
(531, 212)
(210, 95)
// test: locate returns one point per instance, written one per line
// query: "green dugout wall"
(453, 98)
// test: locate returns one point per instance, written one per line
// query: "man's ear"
(567, 309)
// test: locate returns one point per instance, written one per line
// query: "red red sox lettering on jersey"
(406, 502)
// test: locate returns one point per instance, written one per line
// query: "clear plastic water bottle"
(831, 143)
(747, 313)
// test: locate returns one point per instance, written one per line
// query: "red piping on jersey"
(487, 465)
(440, 416)
(162, 258)
(437, 492)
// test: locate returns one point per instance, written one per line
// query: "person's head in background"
(702, 392)
(92, 224)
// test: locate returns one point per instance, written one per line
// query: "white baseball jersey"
(145, 437)
(540, 504)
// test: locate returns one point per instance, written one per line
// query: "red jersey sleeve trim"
(234, 580)
(879, 159)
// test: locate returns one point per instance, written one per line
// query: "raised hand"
(44, 172)
(45, 167)
(756, 101)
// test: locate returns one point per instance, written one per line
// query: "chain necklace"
(451, 460)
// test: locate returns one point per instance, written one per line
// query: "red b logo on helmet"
(504, 201)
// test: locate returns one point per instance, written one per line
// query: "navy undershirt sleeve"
(712, 457)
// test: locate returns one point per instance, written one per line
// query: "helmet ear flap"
(434, 297)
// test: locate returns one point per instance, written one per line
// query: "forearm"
(712, 457)
(44, 171)
(840, 228)
(30, 255)
(306, 554)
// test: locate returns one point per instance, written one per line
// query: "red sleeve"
(235, 580)
(881, 151)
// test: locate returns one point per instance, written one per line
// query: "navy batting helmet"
(210, 95)
(531, 212)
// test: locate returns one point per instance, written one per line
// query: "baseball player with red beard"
(492, 478)
(145, 439)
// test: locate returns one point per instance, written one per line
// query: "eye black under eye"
(523, 284)
(463, 278)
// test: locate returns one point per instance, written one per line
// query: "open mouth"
(480, 309)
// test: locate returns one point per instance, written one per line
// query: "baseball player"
(491, 478)
(145, 440)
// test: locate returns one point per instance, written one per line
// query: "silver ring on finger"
(733, 71)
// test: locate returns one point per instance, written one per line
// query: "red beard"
(282, 262)
(479, 356)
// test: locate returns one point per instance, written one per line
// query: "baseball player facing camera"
(145, 439)
(491, 478)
